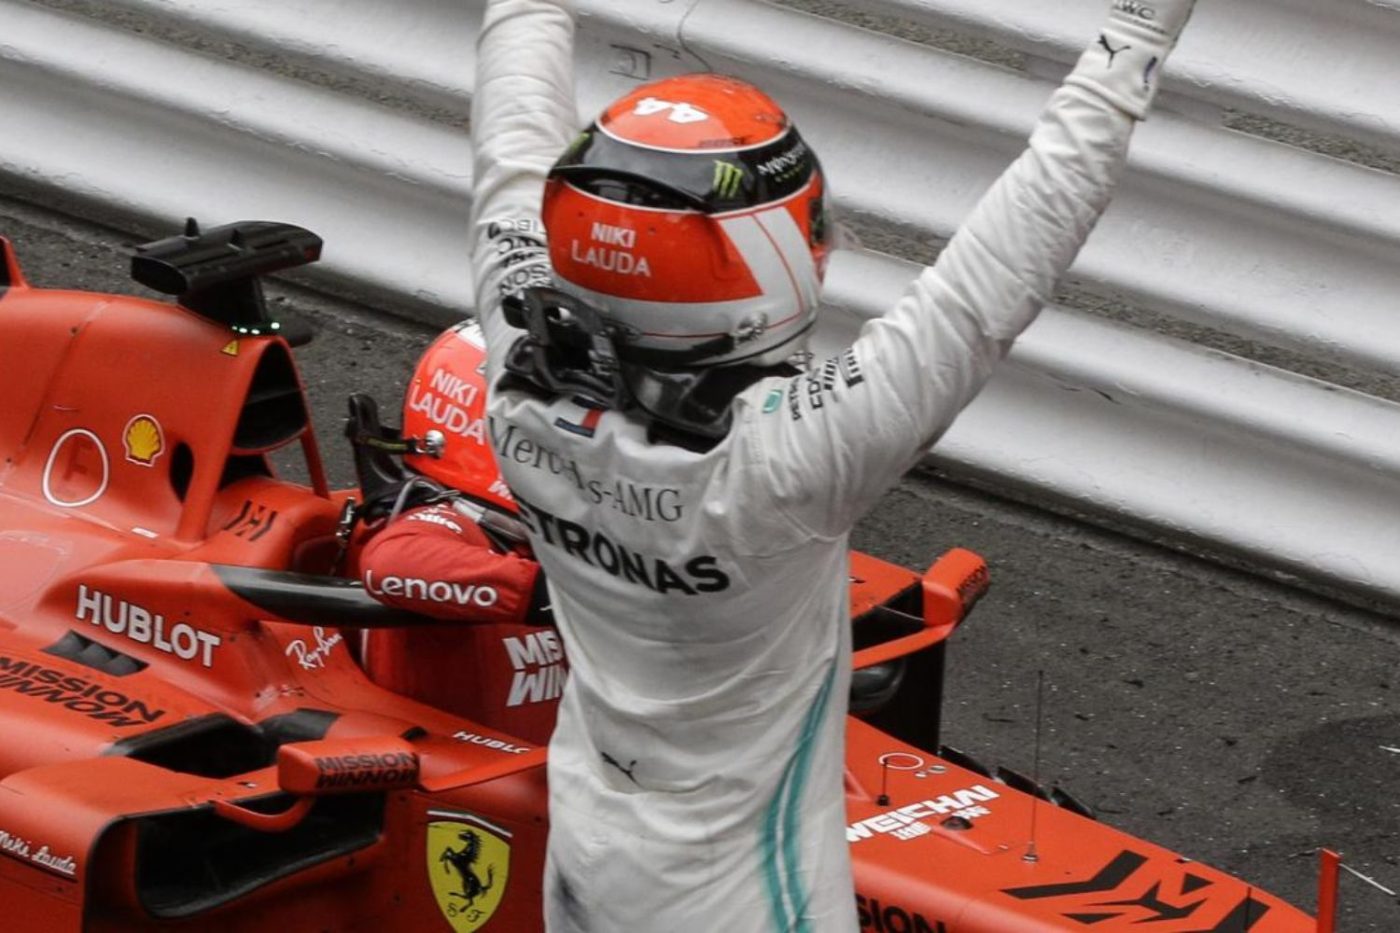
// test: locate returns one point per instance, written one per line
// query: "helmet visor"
(710, 182)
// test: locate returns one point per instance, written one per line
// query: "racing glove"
(1125, 64)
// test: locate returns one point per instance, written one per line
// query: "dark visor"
(710, 182)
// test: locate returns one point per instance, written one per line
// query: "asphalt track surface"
(1237, 721)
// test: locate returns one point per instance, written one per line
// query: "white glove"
(1124, 65)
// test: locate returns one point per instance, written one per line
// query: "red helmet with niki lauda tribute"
(448, 394)
(694, 214)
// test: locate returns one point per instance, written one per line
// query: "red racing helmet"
(448, 395)
(694, 214)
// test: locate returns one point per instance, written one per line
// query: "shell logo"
(144, 440)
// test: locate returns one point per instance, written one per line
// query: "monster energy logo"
(728, 178)
(579, 142)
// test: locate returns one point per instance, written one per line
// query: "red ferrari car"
(189, 743)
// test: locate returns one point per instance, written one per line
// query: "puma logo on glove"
(1138, 36)
(1108, 47)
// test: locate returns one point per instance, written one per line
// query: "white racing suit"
(695, 776)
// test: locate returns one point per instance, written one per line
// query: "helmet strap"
(573, 349)
(568, 347)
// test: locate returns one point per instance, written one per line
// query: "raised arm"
(842, 434)
(523, 117)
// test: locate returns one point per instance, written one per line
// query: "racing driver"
(689, 494)
(444, 544)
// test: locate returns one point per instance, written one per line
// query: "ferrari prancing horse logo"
(468, 867)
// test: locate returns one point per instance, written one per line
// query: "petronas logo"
(728, 179)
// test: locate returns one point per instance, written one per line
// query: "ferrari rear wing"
(216, 272)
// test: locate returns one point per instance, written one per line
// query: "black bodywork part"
(219, 746)
(80, 649)
(963, 760)
(216, 273)
(301, 725)
(213, 746)
(1067, 801)
(313, 599)
(872, 688)
(1018, 781)
(913, 710)
(192, 861)
(274, 412)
